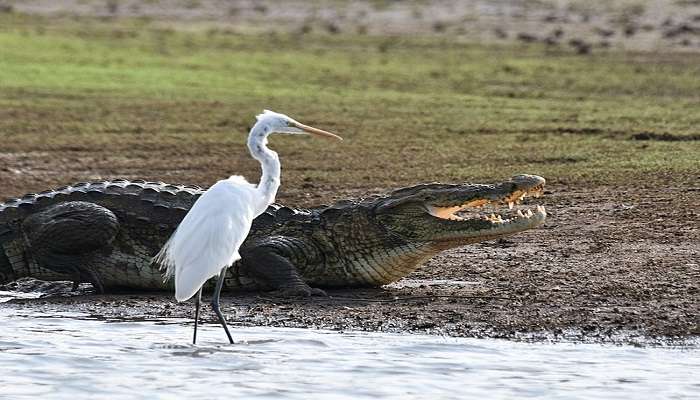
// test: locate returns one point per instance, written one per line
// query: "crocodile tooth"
(528, 213)
(510, 205)
(520, 214)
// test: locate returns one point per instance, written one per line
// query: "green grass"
(129, 98)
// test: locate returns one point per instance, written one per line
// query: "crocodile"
(106, 233)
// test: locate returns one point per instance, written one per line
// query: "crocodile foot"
(86, 275)
(299, 291)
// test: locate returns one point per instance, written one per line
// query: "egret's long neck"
(269, 161)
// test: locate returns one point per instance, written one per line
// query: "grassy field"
(87, 98)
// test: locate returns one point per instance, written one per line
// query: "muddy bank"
(610, 265)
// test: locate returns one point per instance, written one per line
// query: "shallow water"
(70, 355)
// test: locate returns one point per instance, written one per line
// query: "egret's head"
(280, 123)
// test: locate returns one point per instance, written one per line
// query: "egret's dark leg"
(197, 302)
(215, 303)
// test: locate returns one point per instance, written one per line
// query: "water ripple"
(67, 355)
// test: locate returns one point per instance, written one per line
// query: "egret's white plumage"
(207, 240)
(210, 235)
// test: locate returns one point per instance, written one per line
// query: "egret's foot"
(222, 320)
(215, 303)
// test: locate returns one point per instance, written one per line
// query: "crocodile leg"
(71, 238)
(268, 268)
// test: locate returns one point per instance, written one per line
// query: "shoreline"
(598, 271)
(338, 313)
(613, 128)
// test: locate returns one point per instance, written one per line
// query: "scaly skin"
(106, 233)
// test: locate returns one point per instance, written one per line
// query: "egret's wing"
(208, 238)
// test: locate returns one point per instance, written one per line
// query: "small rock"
(681, 30)
(526, 37)
(604, 32)
(629, 30)
(500, 33)
(580, 46)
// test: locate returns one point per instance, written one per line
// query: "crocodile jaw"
(480, 225)
(473, 230)
(453, 215)
(519, 220)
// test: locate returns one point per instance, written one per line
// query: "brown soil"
(610, 264)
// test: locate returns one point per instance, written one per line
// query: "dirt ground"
(609, 265)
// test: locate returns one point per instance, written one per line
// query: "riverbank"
(614, 132)
(600, 270)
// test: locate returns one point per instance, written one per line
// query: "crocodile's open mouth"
(490, 208)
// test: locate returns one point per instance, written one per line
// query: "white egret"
(207, 240)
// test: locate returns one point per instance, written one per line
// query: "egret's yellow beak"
(314, 131)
